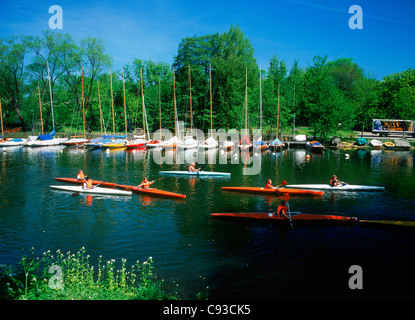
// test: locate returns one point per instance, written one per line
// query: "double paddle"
(78, 192)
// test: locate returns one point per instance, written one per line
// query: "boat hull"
(348, 187)
(385, 223)
(96, 190)
(294, 217)
(152, 192)
(199, 173)
(276, 192)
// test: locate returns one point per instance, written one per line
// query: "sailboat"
(172, 143)
(209, 143)
(139, 143)
(9, 142)
(259, 144)
(189, 141)
(245, 143)
(44, 140)
(119, 141)
(77, 141)
(156, 143)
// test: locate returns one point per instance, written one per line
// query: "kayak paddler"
(145, 184)
(282, 209)
(192, 168)
(80, 176)
(334, 182)
(88, 184)
(270, 186)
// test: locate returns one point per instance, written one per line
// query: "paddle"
(78, 192)
(287, 197)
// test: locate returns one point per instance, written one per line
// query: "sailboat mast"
(174, 100)
(51, 99)
(1, 120)
(83, 100)
(190, 96)
(142, 100)
(260, 102)
(40, 107)
(125, 107)
(210, 94)
(99, 105)
(112, 106)
(159, 108)
(246, 100)
(278, 111)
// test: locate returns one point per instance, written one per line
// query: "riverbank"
(71, 276)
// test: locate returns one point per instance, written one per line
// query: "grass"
(71, 276)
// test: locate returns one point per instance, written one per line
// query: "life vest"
(88, 184)
(268, 186)
(333, 182)
(146, 185)
(282, 210)
(80, 176)
(191, 168)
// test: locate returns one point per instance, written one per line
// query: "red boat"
(295, 216)
(150, 192)
(277, 192)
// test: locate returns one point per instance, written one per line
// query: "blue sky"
(292, 29)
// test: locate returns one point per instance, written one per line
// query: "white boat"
(95, 190)
(300, 138)
(172, 143)
(228, 145)
(13, 142)
(346, 187)
(375, 143)
(199, 173)
(46, 143)
(75, 142)
(189, 143)
(209, 143)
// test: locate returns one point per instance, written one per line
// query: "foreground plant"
(71, 276)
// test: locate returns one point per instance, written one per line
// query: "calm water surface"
(234, 259)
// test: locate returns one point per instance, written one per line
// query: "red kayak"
(279, 191)
(94, 182)
(295, 216)
(152, 191)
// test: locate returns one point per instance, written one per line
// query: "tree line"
(210, 71)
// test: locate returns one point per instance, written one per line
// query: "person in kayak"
(270, 186)
(282, 209)
(334, 182)
(80, 176)
(145, 184)
(88, 184)
(192, 168)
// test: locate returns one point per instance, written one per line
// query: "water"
(234, 259)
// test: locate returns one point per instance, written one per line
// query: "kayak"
(94, 182)
(390, 223)
(152, 192)
(95, 190)
(347, 187)
(295, 216)
(279, 191)
(199, 173)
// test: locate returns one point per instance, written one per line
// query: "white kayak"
(199, 173)
(346, 187)
(95, 190)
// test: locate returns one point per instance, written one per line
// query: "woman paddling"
(192, 168)
(80, 176)
(334, 182)
(88, 184)
(282, 209)
(145, 184)
(270, 186)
